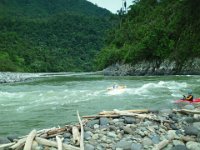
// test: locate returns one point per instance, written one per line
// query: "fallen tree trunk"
(46, 142)
(130, 111)
(29, 140)
(117, 113)
(4, 146)
(161, 145)
(59, 142)
(186, 111)
(76, 135)
(19, 143)
(99, 116)
(82, 132)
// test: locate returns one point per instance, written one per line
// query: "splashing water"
(53, 100)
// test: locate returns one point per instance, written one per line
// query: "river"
(52, 101)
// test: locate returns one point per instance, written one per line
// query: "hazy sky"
(112, 5)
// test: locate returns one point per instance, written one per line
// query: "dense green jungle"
(51, 36)
(155, 30)
(69, 35)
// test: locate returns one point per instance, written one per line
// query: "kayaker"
(189, 96)
(115, 86)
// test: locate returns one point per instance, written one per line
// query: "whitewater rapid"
(54, 100)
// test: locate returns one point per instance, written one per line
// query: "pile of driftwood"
(41, 137)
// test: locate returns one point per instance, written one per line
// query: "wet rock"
(189, 119)
(171, 134)
(12, 137)
(174, 127)
(155, 139)
(67, 135)
(92, 123)
(197, 125)
(127, 130)
(190, 130)
(125, 145)
(112, 134)
(166, 67)
(146, 141)
(95, 136)
(173, 117)
(193, 145)
(4, 140)
(96, 126)
(89, 147)
(87, 135)
(177, 142)
(147, 123)
(179, 147)
(129, 120)
(135, 146)
(112, 128)
(103, 121)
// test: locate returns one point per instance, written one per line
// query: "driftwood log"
(4, 146)
(82, 132)
(29, 140)
(19, 144)
(46, 142)
(76, 135)
(130, 111)
(59, 142)
(118, 113)
(186, 111)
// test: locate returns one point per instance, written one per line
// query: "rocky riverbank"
(166, 67)
(9, 77)
(121, 130)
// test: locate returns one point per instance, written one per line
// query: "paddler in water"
(189, 96)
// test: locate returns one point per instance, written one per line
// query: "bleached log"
(4, 146)
(187, 138)
(186, 111)
(56, 131)
(59, 142)
(130, 111)
(46, 142)
(161, 145)
(99, 116)
(76, 135)
(19, 143)
(29, 140)
(82, 132)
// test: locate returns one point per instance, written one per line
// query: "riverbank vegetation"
(50, 36)
(154, 30)
(68, 35)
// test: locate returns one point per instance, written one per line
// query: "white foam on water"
(12, 95)
(116, 91)
(20, 109)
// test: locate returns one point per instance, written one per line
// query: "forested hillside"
(49, 35)
(155, 30)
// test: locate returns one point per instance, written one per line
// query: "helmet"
(189, 91)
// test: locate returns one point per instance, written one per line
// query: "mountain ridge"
(62, 40)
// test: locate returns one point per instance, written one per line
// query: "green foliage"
(154, 31)
(51, 36)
